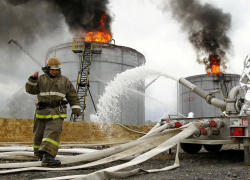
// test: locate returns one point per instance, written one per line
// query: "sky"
(144, 25)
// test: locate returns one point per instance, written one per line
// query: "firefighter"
(51, 88)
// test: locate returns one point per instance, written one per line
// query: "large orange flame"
(102, 35)
(214, 65)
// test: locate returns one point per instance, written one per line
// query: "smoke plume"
(206, 26)
(79, 15)
(83, 15)
(28, 20)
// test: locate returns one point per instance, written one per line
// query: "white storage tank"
(105, 66)
(188, 101)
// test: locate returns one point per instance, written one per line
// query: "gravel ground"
(226, 164)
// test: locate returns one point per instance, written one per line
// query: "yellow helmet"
(54, 63)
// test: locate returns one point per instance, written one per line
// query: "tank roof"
(104, 45)
(211, 75)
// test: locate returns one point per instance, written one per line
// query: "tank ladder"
(82, 86)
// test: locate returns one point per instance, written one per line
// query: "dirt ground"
(227, 164)
(20, 130)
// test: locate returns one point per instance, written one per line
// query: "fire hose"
(90, 156)
(121, 151)
(165, 139)
(110, 172)
(78, 150)
(87, 157)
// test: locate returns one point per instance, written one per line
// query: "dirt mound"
(20, 130)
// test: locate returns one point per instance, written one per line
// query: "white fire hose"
(30, 149)
(160, 141)
(89, 156)
(110, 172)
(86, 157)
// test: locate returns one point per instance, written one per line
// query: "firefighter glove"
(76, 111)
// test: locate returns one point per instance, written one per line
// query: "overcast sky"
(141, 25)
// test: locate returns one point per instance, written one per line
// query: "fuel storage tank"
(112, 60)
(191, 102)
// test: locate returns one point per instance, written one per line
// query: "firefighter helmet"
(54, 63)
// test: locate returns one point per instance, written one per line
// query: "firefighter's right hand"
(35, 75)
(76, 111)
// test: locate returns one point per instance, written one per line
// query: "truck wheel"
(213, 148)
(191, 148)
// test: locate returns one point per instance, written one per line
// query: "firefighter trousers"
(47, 135)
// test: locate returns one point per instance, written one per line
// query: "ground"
(227, 164)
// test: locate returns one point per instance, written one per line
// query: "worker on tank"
(51, 88)
(244, 90)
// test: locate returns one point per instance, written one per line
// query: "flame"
(214, 65)
(102, 35)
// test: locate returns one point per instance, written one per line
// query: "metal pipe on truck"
(205, 95)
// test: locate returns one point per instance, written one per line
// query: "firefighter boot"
(40, 158)
(49, 160)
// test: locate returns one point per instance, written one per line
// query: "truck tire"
(212, 148)
(191, 148)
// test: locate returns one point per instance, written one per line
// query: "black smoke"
(37, 25)
(207, 27)
(83, 15)
(80, 15)
(30, 20)
(27, 20)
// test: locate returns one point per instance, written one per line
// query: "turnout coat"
(53, 89)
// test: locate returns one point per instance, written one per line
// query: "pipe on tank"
(205, 95)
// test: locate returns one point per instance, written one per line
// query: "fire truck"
(232, 127)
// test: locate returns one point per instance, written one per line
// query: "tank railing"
(111, 41)
(205, 95)
(77, 44)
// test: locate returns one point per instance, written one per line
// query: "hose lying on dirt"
(30, 149)
(86, 157)
(159, 140)
(89, 156)
(164, 145)
(123, 174)
(13, 144)
(20, 155)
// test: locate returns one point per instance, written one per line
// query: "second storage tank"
(188, 101)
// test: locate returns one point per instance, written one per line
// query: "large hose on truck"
(205, 95)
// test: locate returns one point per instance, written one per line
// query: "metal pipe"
(234, 92)
(205, 95)
(231, 101)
